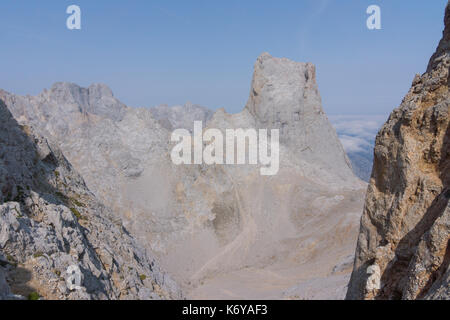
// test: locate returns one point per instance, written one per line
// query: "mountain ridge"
(51, 222)
(206, 222)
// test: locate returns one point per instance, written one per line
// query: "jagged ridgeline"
(211, 225)
(404, 244)
(49, 221)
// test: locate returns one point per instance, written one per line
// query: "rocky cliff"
(284, 95)
(50, 221)
(213, 225)
(296, 225)
(403, 249)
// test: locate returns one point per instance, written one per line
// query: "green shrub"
(34, 296)
(76, 213)
(143, 277)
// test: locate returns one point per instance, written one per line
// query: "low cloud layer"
(357, 133)
(354, 144)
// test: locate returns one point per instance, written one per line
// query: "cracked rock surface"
(221, 231)
(406, 221)
(49, 221)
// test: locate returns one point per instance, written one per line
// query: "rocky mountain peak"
(295, 84)
(443, 49)
(206, 221)
(69, 93)
(284, 95)
(97, 99)
(100, 90)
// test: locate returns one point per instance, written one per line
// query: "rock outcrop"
(50, 222)
(177, 117)
(284, 95)
(299, 222)
(211, 225)
(403, 249)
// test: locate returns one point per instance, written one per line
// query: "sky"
(203, 51)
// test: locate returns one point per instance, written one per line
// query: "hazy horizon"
(153, 53)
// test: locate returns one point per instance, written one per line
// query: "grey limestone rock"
(206, 222)
(49, 221)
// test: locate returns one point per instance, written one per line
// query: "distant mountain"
(176, 117)
(50, 222)
(207, 223)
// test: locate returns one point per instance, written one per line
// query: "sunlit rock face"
(212, 225)
(50, 222)
(406, 221)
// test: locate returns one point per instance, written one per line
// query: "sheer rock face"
(205, 222)
(50, 221)
(406, 221)
(98, 99)
(301, 221)
(304, 127)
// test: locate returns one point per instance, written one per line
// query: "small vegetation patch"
(143, 277)
(61, 196)
(38, 254)
(77, 214)
(34, 296)
(78, 203)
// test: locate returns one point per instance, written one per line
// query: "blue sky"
(154, 52)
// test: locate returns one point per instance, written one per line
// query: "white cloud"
(354, 144)
(356, 132)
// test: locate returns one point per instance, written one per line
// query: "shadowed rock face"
(211, 225)
(50, 221)
(406, 221)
